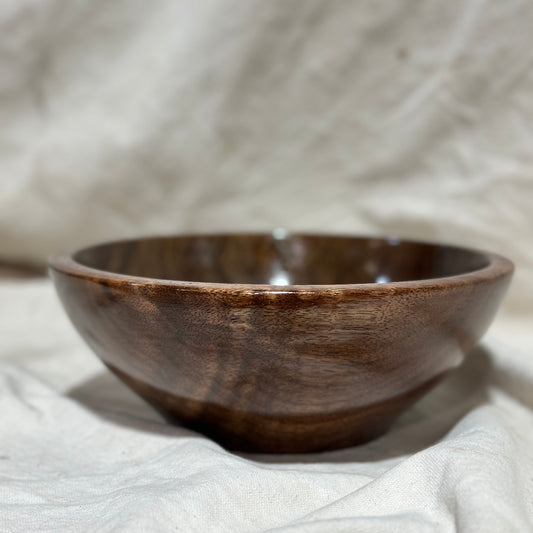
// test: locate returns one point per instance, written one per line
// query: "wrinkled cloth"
(406, 118)
(80, 452)
(122, 118)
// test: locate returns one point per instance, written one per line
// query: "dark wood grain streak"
(199, 327)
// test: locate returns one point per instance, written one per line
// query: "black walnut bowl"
(278, 342)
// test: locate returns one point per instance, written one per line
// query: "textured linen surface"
(122, 118)
(79, 452)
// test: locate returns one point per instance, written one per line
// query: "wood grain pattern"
(282, 344)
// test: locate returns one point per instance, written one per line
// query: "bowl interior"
(281, 259)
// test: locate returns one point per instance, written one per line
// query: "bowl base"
(244, 431)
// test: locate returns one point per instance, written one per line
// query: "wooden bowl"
(281, 343)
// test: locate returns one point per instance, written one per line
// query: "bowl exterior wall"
(275, 370)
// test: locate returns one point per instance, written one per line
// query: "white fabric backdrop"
(377, 116)
(121, 118)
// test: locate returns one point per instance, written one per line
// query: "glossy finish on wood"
(281, 343)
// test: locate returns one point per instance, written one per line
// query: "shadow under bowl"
(281, 342)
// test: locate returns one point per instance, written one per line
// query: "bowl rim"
(497, 267)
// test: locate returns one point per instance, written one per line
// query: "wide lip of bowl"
(497, 266)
